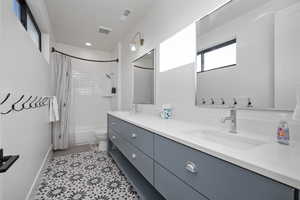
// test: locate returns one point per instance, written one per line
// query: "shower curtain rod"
(100, 61)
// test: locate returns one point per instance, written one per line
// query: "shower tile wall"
(90, 89)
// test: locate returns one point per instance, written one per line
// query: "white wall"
(287, 48)
(23, 71)
(1, 132)
(90, 88)
(177, 86)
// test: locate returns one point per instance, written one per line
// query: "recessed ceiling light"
(88, 44)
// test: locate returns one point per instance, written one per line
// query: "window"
(179, 50)
(219, 56)
(25, 16)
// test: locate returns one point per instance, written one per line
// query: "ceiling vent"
(104, 30)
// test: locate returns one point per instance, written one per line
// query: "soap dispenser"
(283, 132)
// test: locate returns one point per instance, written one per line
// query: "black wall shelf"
(6, 161)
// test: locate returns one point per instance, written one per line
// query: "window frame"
(24, 11)
(216, 47)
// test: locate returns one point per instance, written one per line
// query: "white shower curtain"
(62, 74)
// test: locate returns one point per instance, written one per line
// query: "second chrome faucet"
(233, 120)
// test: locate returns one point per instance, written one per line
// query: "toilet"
(101, 139)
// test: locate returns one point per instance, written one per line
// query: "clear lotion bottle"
(283, 133)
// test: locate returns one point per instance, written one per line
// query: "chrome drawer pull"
(133, 135)
(133, 156)
(114, 137)
(113, 123)
(191, 167)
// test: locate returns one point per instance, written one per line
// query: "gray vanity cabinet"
(215, 178)
(179, 172)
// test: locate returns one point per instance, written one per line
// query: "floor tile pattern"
(84, 176)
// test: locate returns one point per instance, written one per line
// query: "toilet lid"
(101, 132)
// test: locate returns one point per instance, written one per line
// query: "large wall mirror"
(248, 55)
(144, 79)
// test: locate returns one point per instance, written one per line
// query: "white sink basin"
(226, 139)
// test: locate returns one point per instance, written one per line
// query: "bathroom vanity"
(247, 59)
(178, 160)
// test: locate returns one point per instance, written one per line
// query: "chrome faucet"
(232, 119)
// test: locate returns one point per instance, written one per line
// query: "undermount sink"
(226, 139)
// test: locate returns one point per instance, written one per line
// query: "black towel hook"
(40, 103)
(223, 101)
(37, 104)
(14, 105)
(17, 102)
(44, 101)
(30, 104)
(5, 99)
(23, 105)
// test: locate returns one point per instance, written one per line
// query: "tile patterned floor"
(84, 176)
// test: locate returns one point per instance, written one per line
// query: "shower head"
(109, 75)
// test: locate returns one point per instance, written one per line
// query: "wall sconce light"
(136, 42)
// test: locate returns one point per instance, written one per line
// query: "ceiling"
(76, 22)
(228, 12)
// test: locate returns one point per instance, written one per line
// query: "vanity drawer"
(215, 178)
(122, 127)
(139, 137)
(142, 162)
(173, 188)
(116, 124)
(115, 138)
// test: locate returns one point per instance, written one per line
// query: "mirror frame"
(154, 81)
(227, 106)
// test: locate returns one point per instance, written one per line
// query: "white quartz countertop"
(273, 160)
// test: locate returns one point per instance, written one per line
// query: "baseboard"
(30, 194)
